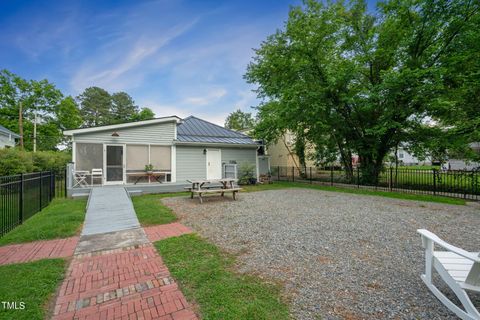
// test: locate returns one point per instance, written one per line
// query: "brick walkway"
(127, 283)
(163, 231)
(62, 248)
(26, 252)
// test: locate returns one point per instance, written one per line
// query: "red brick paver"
(160, 232)
(128, 283)
(25, 252)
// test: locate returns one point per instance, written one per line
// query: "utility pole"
(35, 132)
(20, 124)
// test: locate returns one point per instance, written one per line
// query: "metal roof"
(193, 129)
(9, 132)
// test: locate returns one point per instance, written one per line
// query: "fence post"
(65, 180)
(434, 181)
(278, 172)
(41, 182)
(293, 174)
(391, 178)
(311, 180)
(331, 175)
(52, 185)
(358, 177)
(21, 206)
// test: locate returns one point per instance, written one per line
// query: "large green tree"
(95, 107)
(98, 108)
(40, 98)
(123, 107)
(144, 114)
(239, 120)
(361, 83)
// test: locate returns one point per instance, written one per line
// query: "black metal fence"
(23, 195)
(450, 183)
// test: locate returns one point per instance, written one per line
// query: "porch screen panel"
(137, 157)
(88, 156)
(160, 157)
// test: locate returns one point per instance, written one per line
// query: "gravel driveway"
(338, 256)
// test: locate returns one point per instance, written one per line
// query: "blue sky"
(176, 57)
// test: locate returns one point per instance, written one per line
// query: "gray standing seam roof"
(193, 129)
(5, 130)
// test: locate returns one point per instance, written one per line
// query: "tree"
(37, 97)
(123, 107)
(95, 107)
(144, 114)
(358, 83)
(239, 120)
(68, 114)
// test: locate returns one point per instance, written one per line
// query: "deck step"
(80, 195)
(135, 192)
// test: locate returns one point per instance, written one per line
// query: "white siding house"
(177, 149)
(7, 138)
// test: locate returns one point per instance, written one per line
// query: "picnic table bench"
(200, 187)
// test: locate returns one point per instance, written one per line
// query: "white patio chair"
(97, 174)
(80, 179)
(459, 269)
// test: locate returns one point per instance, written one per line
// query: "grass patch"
(397, 195)
(33, 283)
(151, 211)
(205, 275)
(62, 218)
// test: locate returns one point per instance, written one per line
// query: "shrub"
(16, 161)
(50, 160)
(246, 173)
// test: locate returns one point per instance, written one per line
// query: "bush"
(247, 173)
(50, 160)
(16, 161)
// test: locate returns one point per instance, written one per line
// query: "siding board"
(191, 163)
(160, 133)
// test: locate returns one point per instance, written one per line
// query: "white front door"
(214, 164)
(114, 164)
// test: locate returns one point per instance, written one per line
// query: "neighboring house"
(181, 149)
(462, 164)
(406, 158)
(7, 138)
(282, 153)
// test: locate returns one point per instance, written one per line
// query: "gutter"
(214, 144)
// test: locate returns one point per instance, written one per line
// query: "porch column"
(173, 163)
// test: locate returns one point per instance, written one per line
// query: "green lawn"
(151, 211)
(61, 219)
(32, 283)
(397, 195)
(205, 275)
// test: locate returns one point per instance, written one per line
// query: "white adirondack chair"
(459, 269)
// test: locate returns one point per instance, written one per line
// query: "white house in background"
(461, 164)
(7, 138)
(408, 159)
(177, 150)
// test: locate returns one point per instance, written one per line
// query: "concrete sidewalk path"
(109, 209)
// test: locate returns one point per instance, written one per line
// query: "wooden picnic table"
(203, 186)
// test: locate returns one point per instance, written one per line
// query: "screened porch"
(107, 164)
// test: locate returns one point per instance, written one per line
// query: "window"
(160, 157)
(88, 156)
(400, 155)
(137, 157)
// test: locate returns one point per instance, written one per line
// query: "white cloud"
(209, 98)
(115, 68)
